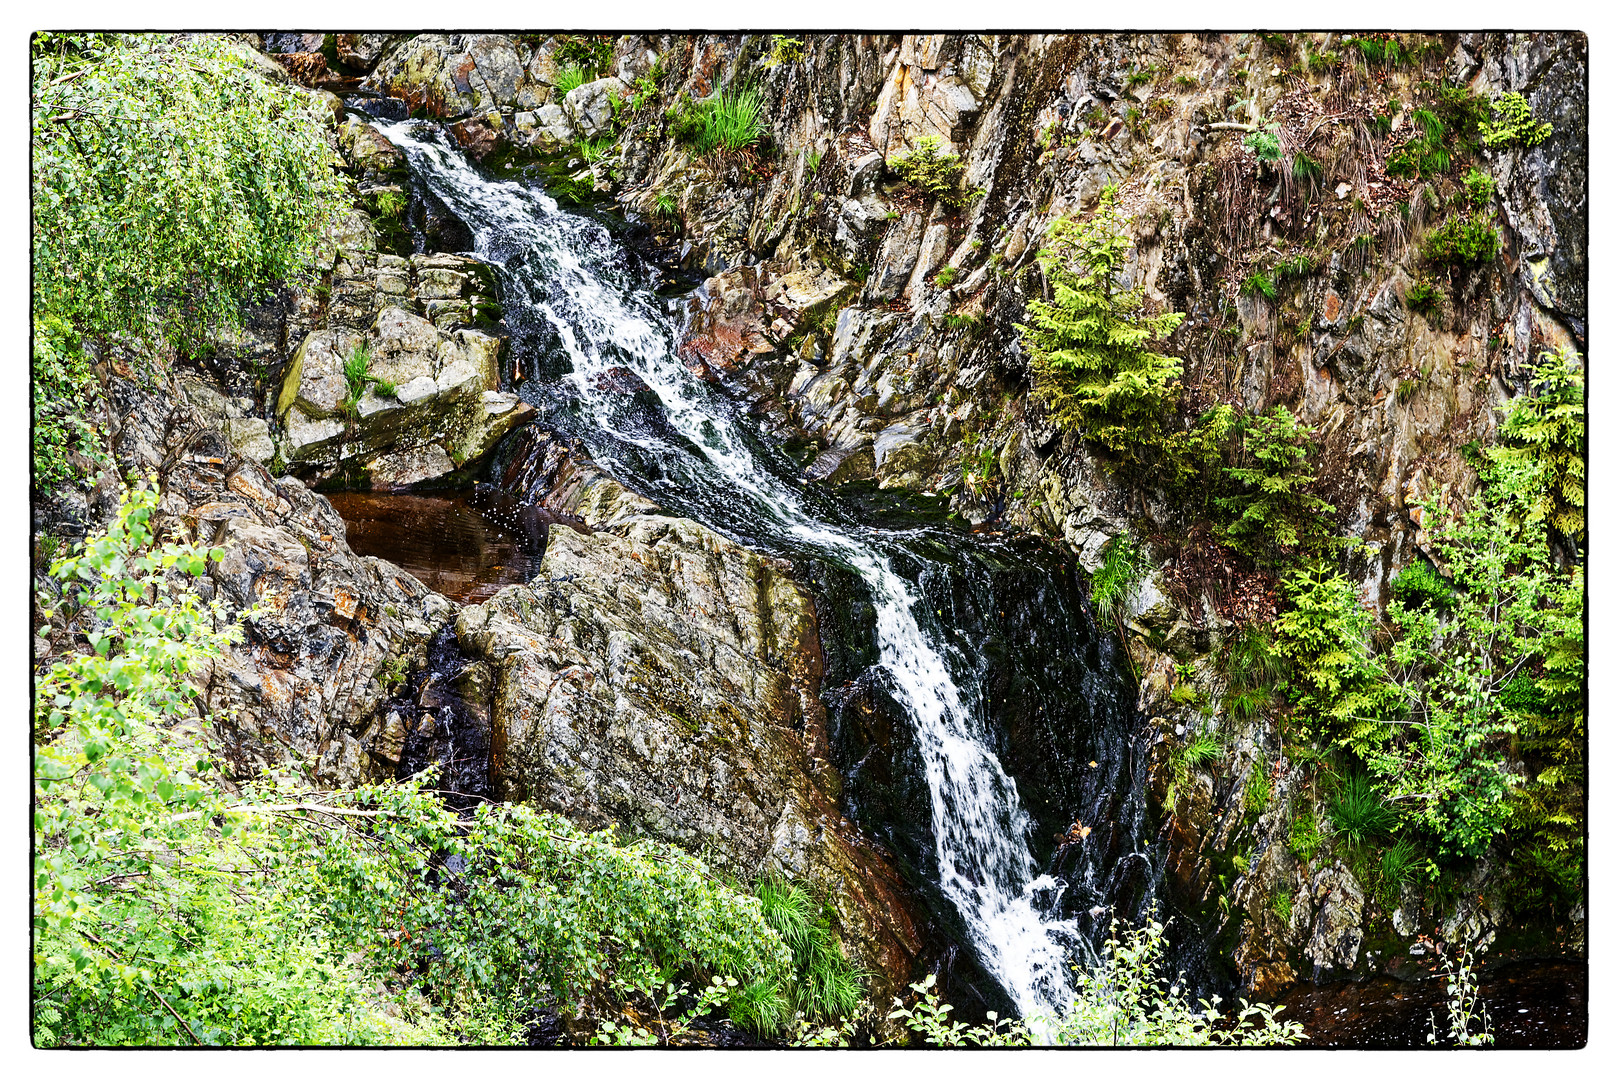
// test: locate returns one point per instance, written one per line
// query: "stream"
(918, 592)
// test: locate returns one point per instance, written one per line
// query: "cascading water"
(578, 309)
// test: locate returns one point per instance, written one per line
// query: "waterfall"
(570, 292)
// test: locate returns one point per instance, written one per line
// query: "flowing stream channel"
(579, 305)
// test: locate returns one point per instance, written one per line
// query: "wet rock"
(303, 684)
(897, 258)
(361, 50)
(1334, 941)
(669, 680)
(839, 465)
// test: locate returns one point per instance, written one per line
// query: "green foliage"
(927, 170)
(1265, 143)
(1426, 154)
(1359, 813)
(825, 987)
(170, 909)
(1281, 904)
(1424, 298)
(1398, 866)
(64, 392)
(1259, 283)
(592, 53)
(1513, 124)
(1543, 433)
(1468, 1018)
(1122, 1000)
(1089, 347)
(1384, 51)
(946, 277)
(569, 79)
(1123, 567)
(1336, 686)
(731, 120)
(1462, 241)
(1304, 840)
(1274, 513)
(1419, 586)
(1256, 793)
(1306, 170)
(1254, 668)
(171, 184)
(784, 50)
(1479, 187)
(666, 207)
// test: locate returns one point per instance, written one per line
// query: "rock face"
(445, 409)
(334, 632)
(668, 680)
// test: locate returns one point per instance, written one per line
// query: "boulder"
(443, 413)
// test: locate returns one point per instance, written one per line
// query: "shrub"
(1274, 512)
(1088, 348)
(1121, 1000)
(1479, 187)
(292, 913)
(927, 170)
(1462, 242)
(1513, 124)
(171, 185)
(1545, 431)
(784, 50)
(1419, 586)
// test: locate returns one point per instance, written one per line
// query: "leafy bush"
(1419, 586)
(171, 184)
(1274, 513)
(784, 50)
(1462, 241)
(1479, 187)
(927, 170)
(1544, 431)
(169, 908)
(1088, 348)
(731, 120)
(1513, 124)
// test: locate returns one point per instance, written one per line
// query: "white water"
(603, 321)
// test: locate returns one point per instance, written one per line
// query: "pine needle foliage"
(1274, 512)
(1090, 347)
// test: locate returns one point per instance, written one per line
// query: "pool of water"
(1531, 1005)
(443, 541)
